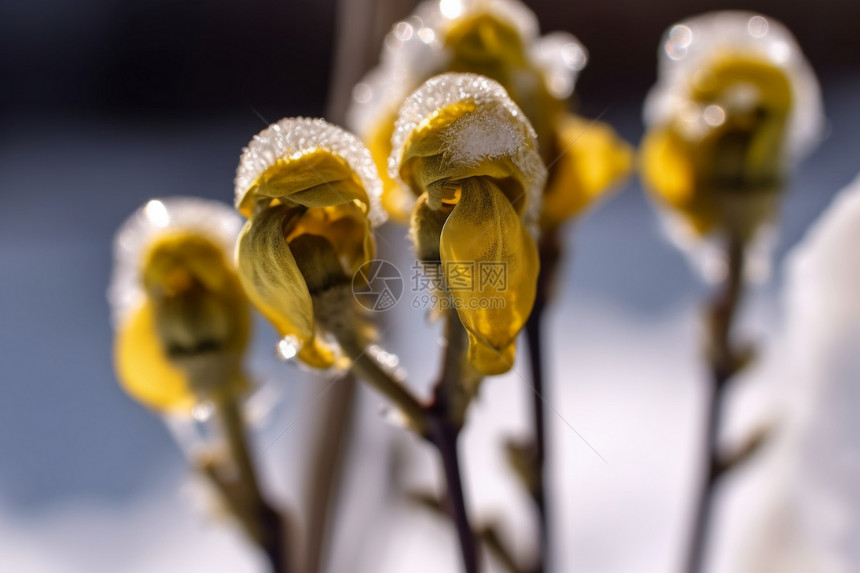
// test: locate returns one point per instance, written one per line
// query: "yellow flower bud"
(497, 39)
(735, 104)
(590, 160)
(470, 155)
(311, 192)
(181, 318)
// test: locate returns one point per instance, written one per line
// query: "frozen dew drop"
(714, 115)
(560, 86)
(202, 411)
(362, 93)
(573, 56)
(394, 417)
(451, 8)
(426, 35)
(780, 52)
(157, 213)
(403, 31)
(680, 38)
(287, 348)
(758, 26)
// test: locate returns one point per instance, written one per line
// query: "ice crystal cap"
(693, 44)
(211, 219)
(497, 128)
(296, 139)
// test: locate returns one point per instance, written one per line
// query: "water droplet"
(573, 56)
(157, 213)
(202, 411)
(758, 26)
(426, 35)
(362, 92)
(287, 348)
(780, 52)
(680, 38)
(714, 115)
(403, 31)
(451, 8)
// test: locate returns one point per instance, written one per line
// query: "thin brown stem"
(444, 437)
(330, 448)
(723, 365)
(369, 370)
(438, 422)
(487, 535)
(445, 417)
(268, 525)
(539, 488)
(549, 252)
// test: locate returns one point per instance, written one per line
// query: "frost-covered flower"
(469, 155)
(498, 39)
(181, 319)
(735, 105)
(311, 193)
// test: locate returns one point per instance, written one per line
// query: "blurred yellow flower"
(591, 160)
(498, 39)
(735, 104)
(311, 193)
(470, 156)
(182, 321)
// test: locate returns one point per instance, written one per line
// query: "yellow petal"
(591, 159)
(463, 125)
(345, 227)
(273, 281)
(307, 162)
(484, 236)
(490, 361)
(143, 369)
(314, 179)
(396, 200)
(772, 86)
(483, 40)
(668, 172)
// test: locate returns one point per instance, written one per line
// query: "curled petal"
(484, 235)
(347, 229)
(592, 160)
(311, 163)
(212, 220)
(396, 199)
(143, 369)
(668, 171)
(464, 125)
(273, 282)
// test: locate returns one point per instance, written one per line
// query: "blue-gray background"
(106, 104)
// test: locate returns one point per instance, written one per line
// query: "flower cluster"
(497, 39)
(464, 136)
